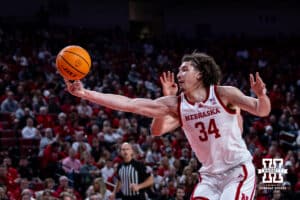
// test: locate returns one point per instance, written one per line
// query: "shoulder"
(227, 92)
(170, 101)
(167, 100)
(137, 164)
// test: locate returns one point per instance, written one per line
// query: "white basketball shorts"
(237, 183)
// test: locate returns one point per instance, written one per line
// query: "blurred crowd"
(56, 146)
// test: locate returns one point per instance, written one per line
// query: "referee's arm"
(147, 183)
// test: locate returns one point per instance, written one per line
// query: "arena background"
(131, 43)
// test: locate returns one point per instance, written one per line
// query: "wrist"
(263, 93)
(261, 96)
(83, 94)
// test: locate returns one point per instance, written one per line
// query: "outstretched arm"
(259, 106)
(146, 107)
(165, 124)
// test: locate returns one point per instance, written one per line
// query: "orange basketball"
(73, 62)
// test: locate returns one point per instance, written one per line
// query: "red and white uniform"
(215, 136)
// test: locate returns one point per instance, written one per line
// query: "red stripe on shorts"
(252, 193)
(198, 198)
(238, 191)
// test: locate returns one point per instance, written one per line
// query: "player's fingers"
(258, 79)
(163, 78)
(169, 76)
(172, 77)
(68, 83)
(77, 84)
(251, 80)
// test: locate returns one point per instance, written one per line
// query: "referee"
(132, 176)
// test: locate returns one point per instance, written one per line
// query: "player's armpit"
(162, 125)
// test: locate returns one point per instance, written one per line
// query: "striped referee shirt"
(132, 172)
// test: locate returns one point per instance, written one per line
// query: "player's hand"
(168, 84)
(257, 85)
(134, 187)
(75, 88)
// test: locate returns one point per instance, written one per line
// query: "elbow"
(264, 109)
(266, 112)
(263, 115)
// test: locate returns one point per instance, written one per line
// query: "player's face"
(188, 76)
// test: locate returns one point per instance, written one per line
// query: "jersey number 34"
(204, 131)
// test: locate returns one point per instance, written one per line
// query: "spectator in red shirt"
(63, 184)
(17, 192)
(64, 187)
(8, 175)
(50, 159)
(44, 119)
(63, 128)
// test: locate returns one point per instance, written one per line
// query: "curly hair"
(211, 72)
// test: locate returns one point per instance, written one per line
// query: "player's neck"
(198, 94)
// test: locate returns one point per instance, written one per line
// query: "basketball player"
(206, 112)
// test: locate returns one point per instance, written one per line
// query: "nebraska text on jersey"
(202, 114)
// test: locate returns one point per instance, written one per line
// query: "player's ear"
(199, 75)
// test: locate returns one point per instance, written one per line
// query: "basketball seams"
(73, 62)
(72, 65)
(62, 71)
(71, 52)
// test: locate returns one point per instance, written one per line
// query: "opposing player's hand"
(75, 87)
(168, 83)
(257, 85)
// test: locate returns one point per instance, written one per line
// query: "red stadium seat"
(30, 143)
(7, 133)
(8, 142)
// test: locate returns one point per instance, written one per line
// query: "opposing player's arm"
(162, 125)
(147, 107)
(259, 106)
